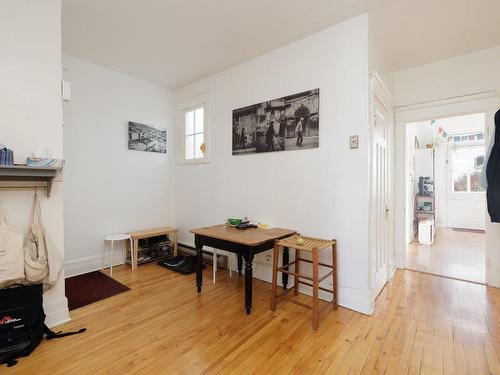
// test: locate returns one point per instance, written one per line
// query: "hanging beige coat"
(42, 261)
(11, 253)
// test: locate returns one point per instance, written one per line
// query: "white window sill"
(195, 161)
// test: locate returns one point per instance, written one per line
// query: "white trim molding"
(456, 106)
(83, 265)
(92, 263)
(353, 299)
(56, 312)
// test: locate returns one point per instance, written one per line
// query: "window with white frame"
(195, 134)
(467, 163)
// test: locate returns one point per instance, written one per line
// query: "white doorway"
(445, 202)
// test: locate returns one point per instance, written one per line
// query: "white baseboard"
(350, 298)
(89, 264)
(468, 224)
(56, 312)
(82, 265)
(493, 277)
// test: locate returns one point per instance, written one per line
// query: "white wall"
(320, 192)
(110, 189)
(379, 58)
(461, 75)
(448, 79)
(31, 113)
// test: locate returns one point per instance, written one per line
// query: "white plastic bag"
(11, 253)
(42, 261)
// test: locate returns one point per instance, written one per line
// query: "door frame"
(378, 91)
(487, 102)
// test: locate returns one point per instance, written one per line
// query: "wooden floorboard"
(422, 324)
(457, 254)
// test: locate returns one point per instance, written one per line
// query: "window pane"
(199, 120)
(197, 143)
(460, 165)
(460, 183)
(477, 160)
(189, 122)
(189, 147)
(474, 182)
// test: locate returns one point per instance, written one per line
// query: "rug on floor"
(91, 287)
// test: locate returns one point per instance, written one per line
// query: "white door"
(380, 216)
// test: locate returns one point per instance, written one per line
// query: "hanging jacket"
(493, 175)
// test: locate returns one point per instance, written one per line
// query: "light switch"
(354, 141)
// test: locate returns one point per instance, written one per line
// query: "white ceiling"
(173, 42)
(416, 32)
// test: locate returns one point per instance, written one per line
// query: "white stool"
(119, 237)
(231, 261)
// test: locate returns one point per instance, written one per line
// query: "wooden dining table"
(246, 243)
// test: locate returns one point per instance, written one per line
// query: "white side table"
(112, 239)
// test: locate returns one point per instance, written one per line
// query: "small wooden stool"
(313, 245)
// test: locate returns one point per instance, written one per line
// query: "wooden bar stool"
(313, 245)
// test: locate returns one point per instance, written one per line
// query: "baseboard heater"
(207, 255)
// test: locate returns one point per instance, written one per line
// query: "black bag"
(22, 322)
(184, 264)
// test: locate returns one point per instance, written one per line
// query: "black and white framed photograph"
(287, 123)
(146, 138)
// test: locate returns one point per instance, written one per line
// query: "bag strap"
(38, 209)
(56, 335)
(32, 219)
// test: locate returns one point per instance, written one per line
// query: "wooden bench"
(165, 231)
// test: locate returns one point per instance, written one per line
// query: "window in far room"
(467, 161)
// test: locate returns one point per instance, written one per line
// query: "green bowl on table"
(234, 222)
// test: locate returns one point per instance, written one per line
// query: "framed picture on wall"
(146, 138)
(287, 123)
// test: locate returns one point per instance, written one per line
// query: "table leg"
(248, 280)
(335, 275)
(199, 265)
(175, 234)
(286, 260)
(136, 251)
(240, 262)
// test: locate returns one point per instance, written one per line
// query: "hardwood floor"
(422, 324)
(458, 254)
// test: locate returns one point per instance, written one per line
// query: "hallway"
(455, 253)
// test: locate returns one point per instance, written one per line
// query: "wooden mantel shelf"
(24, 177)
